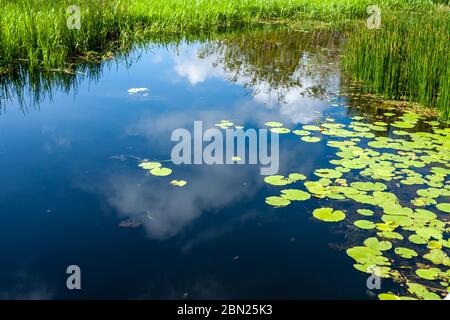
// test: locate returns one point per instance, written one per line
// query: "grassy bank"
(408, 59)
(35, 33)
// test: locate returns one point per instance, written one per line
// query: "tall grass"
(34, 32)
(408, 59)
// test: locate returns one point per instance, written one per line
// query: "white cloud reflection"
(296, 107)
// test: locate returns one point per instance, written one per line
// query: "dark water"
(70, 179)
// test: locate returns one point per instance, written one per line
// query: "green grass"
(403, 60)
(408, 59)
(34, 32)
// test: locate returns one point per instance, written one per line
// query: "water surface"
(73, 193)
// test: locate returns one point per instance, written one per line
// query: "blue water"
(69, 183)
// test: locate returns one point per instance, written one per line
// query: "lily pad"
(310, 139)
(294, 194)
(365, 212)
(444, 207)
(277, 201)
(178, 183)
(162, 172)
(328, 173)
(277, 180)
(405, 252)
(428, 274)
(329, 215)
(147, 165)
(374, 243)
(273, 124)
(364, 224)
(280, 130)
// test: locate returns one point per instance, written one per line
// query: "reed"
(35, 33)
(407, 59)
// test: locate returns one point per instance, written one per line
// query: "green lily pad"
(390, 235)
(328, 173)
(273, 124)
(414, 238)
(374, 243)
(363, 255)
(310, 139)
(277, 201)
(364, 224)
(421, 291)
(444, 207)
(365, 212)
(311, 128)
(301, 132)
(280, 130)
(428, 274)
(369, 186)
(438, 256)
(294, 194)
(178, 183)
(149, 165)
(329, 215)
(297, 176)
(277, 180)
(162, 172)
(427, 233)
(388, 296)
(405, 252)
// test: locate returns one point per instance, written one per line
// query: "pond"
(74, 191)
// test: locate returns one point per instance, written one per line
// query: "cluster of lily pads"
(155, 168)
(227, 124)
(408, 239)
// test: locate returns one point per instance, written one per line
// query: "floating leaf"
(277, 180)
(405, 252)
(273, 124)
(294, 194)
(277, 201)
(427, 233)
(421, 291)
(374, 243)
(297, 176)
(178, 183)
(280, 130)
(369, 186)
(328, 173)
(438, 256)
(444, 207)
(310, 139)
(162, 172)
(311, 128)
(149, 165)
(364, 224)
(301, 132)
(433, 244)
(428, 274)
(365, 212)
(329, 215)
(414, 238)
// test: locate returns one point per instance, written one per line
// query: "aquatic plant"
(407, 59)
(407, 242)
(35, 32)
